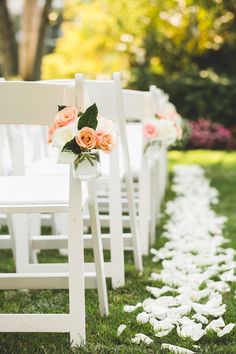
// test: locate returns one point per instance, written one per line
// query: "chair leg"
(133, 223)
(12, 237)
(164, 169)
(115, 223)
(98, 250)
(76, 265)
(60, 225)
(153, 205)
(19, 228)
(34, 230)
(144, 206)
(159, 190)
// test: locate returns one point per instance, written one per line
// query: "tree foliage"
(146, 38)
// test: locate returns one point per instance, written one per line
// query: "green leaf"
(72, 146)
(60, 107)
(89, 118)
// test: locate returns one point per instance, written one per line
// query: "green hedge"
(196, 97)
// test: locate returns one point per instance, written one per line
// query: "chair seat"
(36, 190)
(48, 167)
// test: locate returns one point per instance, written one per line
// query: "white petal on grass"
(220, 286)
(157, 292)
(175, 349)
(193, 255)
(194, 331)
(143, 317)
(121, 329)
(160, 326)
(140, 337)
(131, 308)
(164, 332)
(215, 325)
(226, 330)
(200, 318)
(228, 276)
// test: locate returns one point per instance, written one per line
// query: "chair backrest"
(23, 106)
(138, 105)
(29, 102)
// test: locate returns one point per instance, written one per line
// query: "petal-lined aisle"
(196, 268)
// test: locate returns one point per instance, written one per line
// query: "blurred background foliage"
(186, 47)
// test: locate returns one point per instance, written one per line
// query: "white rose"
(62, 135)
(167, 133)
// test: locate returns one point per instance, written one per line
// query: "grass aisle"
(101, 333)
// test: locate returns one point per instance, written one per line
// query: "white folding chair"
(36, 103)
(160, 169)
(138, 108)
(112, 241)
(108, 96)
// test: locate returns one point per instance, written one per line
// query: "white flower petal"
(140, 337)
(143, 317)
(175, 349)
(121, 329)
(200, 318)
(215, 325)
(226, 330)
(131, 308)
(62, 135)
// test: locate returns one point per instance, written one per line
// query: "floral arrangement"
(78, 136)
(163, 130)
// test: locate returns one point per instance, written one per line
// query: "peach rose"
(66, 116)
(105, 141)
(51, 130)
(150, 130)
(86, 138)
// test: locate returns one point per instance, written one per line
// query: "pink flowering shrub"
(206, 134)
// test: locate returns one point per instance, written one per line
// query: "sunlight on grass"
(203, 157)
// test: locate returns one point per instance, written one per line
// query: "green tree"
(144, 38)
(99, 37)
(24, 61)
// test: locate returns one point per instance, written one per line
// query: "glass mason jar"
(153, 150)
(87, 166)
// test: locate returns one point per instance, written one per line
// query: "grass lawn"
(101, 333)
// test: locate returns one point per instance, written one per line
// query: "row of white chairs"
(129, 194)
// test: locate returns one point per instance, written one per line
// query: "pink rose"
(66, 116)
(86, 138)
(51, 130)
(105, 141)
(63, 118)
(150, 130)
